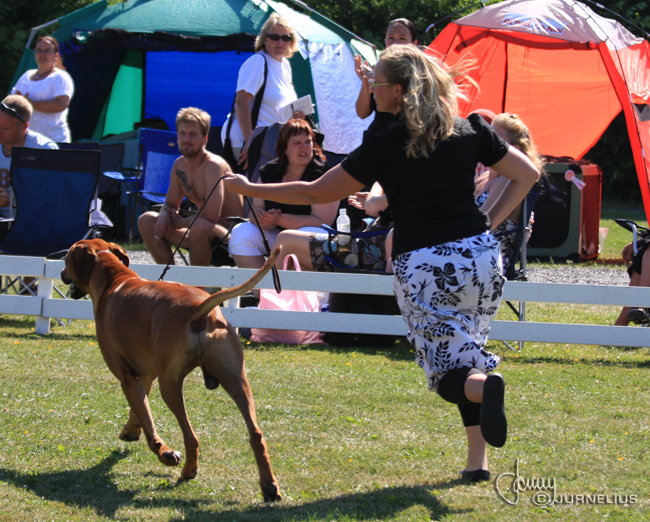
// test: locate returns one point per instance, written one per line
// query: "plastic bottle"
(343, 225)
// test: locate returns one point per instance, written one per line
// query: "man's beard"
(187, 152)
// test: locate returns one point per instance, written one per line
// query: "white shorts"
(246, 240)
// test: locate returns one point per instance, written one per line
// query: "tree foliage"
(368, 19)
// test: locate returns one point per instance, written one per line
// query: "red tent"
(566, 71)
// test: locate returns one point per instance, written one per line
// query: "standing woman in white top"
(49, 89)
(276, 43)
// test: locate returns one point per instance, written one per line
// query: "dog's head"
(80, 260)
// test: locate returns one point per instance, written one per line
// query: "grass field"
(353, 434)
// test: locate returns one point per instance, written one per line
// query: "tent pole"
(36, 29)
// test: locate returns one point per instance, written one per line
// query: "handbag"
(227, 145)
(290, 300)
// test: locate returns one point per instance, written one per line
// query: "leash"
(267, 247)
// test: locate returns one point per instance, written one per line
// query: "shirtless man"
(193, 176)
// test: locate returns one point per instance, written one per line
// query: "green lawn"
(353, 435)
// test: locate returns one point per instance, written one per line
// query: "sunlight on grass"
(353, 435)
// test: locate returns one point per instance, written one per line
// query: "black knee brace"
(452, 389)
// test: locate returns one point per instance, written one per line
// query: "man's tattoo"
(183, 178)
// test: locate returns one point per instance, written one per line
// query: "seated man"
(193, 176)
(15, 113)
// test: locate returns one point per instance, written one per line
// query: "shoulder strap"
(256, 104)
(260, 94)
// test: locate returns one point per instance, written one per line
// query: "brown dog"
(156, 329)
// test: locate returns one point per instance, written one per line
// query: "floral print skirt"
(448, 294)
(506, 233)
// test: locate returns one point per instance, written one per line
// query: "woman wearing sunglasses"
(447, 267)
(49, 89)
(274, 45)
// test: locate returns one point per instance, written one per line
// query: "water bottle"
(343, 225)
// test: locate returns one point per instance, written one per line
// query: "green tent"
(152, 57)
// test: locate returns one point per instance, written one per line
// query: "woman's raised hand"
(362, 68)
(358, 199)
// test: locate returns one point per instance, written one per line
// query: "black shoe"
(492, 419)
(637, 316)
(478, 475)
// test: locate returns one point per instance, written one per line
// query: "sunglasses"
(44, 51)
(11, 112)
(285, 37)
(372, 83)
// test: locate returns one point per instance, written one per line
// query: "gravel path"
(563, 274)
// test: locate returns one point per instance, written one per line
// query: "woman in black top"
(447, 267)
(299, 159)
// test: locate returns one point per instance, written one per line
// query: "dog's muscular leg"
(236, 384)
(171, 391)
(132, 429)
(137, 399)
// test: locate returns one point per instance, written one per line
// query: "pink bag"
(290, 300)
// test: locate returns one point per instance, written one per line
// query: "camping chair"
(158, 151)
(82, 145)
(55, 192)
(518, 256)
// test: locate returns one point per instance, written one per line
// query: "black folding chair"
(519, 254)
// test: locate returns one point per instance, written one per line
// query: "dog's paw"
(271, 493)
(130, 434)
(189, 474)
(170, 457)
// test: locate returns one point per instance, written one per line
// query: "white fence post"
(44, 292)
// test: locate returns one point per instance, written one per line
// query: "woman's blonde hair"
(429, 102)
(274, 20)
(519, 136)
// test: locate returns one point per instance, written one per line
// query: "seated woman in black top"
(447, 267)
(299, 159)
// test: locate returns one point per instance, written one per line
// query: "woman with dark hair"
(447, 267)
(299, 159)
(49, 89)
(276, 43)
(400, 31)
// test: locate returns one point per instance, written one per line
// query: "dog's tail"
(216, 299)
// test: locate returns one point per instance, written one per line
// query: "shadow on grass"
(381, 504)
(94, 488)
(400, 351)
(91, 488)
(580, 362)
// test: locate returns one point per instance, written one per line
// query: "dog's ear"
(120, 253)
(82, 262)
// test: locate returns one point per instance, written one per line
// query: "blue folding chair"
(158, 151)
(55, 195)
(54, 192)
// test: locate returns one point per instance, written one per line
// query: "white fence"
(44, 307)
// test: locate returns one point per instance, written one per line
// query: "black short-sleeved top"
(432, 198)
(269, 174)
